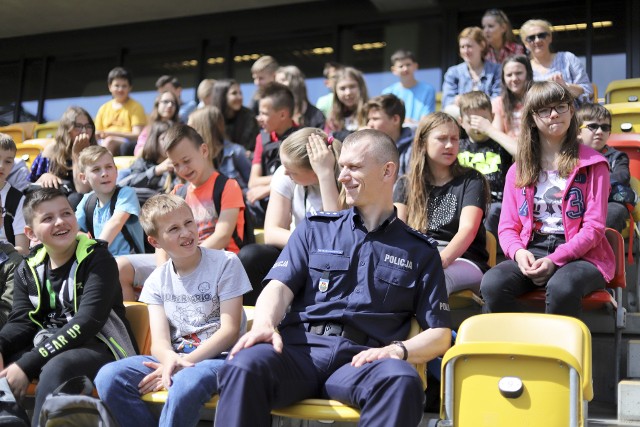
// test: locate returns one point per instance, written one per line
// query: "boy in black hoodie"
(67, 318)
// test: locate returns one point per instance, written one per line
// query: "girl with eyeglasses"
(500, 38)
(553, 211)
(56, 165)
(561, 67)
(165, 108)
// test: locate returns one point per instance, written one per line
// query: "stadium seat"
(610, 297)
(517, 366)
(630, 144)
(467, 298)
(124, 162)
(42, 142)
(138, 317)
(15, 132)
(27, 127)
(28, 152)
(622, 91)
(46, 130)
(625, 117)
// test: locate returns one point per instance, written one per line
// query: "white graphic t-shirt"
(192, 302)
(547, 203)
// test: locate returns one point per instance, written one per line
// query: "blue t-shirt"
(419, 100)
(127, 202)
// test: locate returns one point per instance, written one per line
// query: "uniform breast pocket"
(395, 287)
(326, 272)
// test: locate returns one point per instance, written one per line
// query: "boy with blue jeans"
(195, 315)
(67, 317)
(122, 230)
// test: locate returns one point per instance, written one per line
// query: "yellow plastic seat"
(28, 152)
(124, 162)
(308, 409)
(138, 317)
(623, 91)
(15, 132)
(259, 235)
(439, 101)
(547, 358)
(625, 117)
(466, 297)
(27, 128)
(46, 130)
(42, 142)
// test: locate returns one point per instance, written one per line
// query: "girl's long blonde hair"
(64, 144)
(420, 179)
(529, 155)
(295, 148)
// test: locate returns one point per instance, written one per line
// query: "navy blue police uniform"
(353, 290)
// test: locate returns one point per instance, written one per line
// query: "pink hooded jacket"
(584, 209)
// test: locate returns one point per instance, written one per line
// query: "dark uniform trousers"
(388, 392)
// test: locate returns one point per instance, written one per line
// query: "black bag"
(249, 221)
(72, 405)
(11, 413)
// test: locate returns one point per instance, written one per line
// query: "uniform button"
(362, 263)
(357, 290)
(395, 280)
(327, 266)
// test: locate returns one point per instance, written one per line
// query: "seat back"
(492, 249)
(617, 244)
(138, 317)
(123, 162)
(622, 91)
(563, 332)
(625, 117)
(46, 130)
(630, 144)
(27, 127)
(28, 152)
(15, 132)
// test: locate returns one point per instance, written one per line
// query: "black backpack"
(89, 209)
(270, 160)
(218, 188)
(10, 208)
(72, 405)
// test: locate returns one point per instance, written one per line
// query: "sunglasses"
(539, 36)
(593, 127)
(546, 112)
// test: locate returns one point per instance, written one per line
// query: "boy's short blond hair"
(265, 63)
(90, 155)
(156, 207)
(475, 100)
(7, 143)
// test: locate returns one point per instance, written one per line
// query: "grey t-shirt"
(192, 302)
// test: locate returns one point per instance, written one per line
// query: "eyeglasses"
(593, 127)
(546, 112)
(87, 128)
(539, 36)
(168, 102)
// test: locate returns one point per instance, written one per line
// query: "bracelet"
(405, 353)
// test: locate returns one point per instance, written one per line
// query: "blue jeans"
(117, 385)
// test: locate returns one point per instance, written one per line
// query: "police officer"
(353, 280)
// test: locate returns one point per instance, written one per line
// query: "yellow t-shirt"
(123, 119)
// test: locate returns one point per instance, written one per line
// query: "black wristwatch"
(405, 353)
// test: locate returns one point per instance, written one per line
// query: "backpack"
(11, 413)
(72, 405)
(89, 209)
(270, 160)
(218, 188)
(10, 208)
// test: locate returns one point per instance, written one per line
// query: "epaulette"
(325, 215)
(430, 240)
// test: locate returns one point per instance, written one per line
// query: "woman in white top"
(305, 183)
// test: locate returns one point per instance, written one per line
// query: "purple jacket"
(584, 210)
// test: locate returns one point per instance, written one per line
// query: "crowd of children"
(525, 161)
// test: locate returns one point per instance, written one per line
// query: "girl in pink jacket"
(553, 211)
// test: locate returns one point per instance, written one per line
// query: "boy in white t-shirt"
(195, 315)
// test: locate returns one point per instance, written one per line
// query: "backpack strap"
(10, 208)
(218, 189)
(89, 209)
(182, 191)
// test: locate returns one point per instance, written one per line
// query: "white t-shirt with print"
(303, 199)
(547, 203)
(192, 302)
(18, 219)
